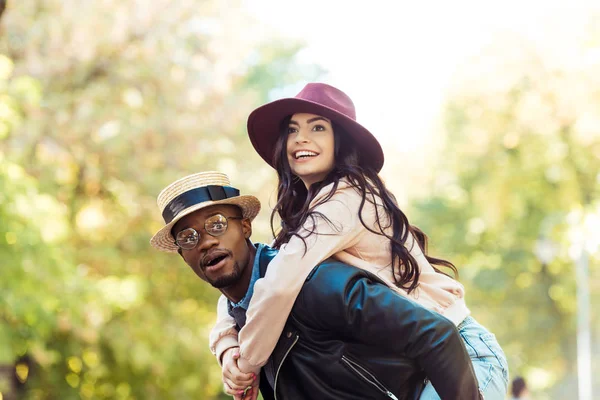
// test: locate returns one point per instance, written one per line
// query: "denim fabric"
(489, 362)
(245, 302)
(238, 310)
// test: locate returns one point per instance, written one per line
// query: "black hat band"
(197, 196)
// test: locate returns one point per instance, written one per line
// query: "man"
(348, 337)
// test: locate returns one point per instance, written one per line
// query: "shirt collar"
(245, 302)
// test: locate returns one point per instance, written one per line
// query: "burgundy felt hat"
(315, 98)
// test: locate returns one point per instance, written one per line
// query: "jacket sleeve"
(369, 312)
(224, 334)
(275, 294)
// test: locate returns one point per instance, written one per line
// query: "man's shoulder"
(264, 255)
(329, 291)
(266, 251)
(329, 272)
(336, 276)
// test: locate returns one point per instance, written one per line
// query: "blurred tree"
(521, 165)
(101, 105)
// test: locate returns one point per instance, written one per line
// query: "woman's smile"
(301, 156)
(310, 147)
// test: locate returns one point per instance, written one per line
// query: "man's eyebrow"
(191, 225)
(223, 213)
(183, 228)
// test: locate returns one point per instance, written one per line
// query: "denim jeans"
(489, 362)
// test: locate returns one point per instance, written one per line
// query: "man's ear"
(247, 228)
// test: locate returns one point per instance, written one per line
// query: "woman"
(332, 203)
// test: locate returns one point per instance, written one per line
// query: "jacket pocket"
(367, 377)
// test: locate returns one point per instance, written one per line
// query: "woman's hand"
(252, 393)
(235, 381)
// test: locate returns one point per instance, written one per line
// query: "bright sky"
(396, 59)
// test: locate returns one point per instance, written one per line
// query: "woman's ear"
(247, 228)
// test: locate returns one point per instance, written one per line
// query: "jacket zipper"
(368, 377)
(281, 363)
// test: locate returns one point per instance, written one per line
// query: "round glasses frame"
(215, 225)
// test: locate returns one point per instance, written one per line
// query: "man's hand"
(235, 381)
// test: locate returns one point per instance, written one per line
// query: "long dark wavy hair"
(294, 209)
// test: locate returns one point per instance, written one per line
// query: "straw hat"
(193, 193)
(315, 98)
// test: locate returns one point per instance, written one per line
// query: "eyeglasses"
(215, 225)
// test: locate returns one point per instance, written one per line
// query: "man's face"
(218, 260)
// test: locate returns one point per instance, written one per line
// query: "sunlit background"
(488, 112)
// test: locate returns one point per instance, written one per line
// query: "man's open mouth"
(213, 259)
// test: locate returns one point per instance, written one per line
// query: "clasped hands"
(242, 386)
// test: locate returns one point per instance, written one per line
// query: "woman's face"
(310, 147)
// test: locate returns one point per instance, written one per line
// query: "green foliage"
(520, 167)
(102, 104)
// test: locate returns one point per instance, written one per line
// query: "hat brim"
(264, 128)
(163, 239)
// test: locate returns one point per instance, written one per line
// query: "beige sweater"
(347, 240)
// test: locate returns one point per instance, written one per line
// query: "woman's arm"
(224, 334)
(275, 294)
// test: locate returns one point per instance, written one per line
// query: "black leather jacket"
(349, 337)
